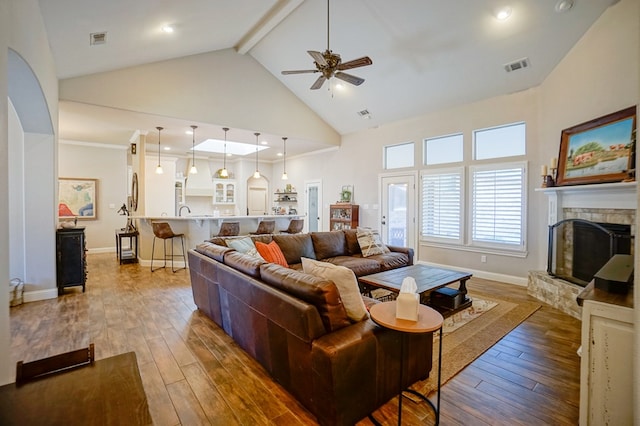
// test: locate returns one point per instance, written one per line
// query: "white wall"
(108, 164)
(207, 87)
(22, 30)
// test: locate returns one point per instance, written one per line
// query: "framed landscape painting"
(598, 151)
(77, 198)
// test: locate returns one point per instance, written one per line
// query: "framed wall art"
(77, 198)
(598, 151)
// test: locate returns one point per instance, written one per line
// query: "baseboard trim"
(509, 279)
(35, 295)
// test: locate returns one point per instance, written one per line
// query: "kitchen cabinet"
(224, 191)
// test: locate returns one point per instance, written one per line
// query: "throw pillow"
(244, 245)
(345, 280)
(271, 253)
(370, 242)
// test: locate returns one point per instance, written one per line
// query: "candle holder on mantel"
(548, 180)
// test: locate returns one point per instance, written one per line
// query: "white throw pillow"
(370, 242)
(345, 280)
(244, 245)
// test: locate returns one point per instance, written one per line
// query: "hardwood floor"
(193, 373)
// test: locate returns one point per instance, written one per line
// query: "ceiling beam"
(269, 21)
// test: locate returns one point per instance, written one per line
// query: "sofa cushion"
(295, 247)
(271, 253)
(353, 247)
(370, 243)
(358, 264)
(212, 250)
(329, 244)
(244, 245)
(243, 262)
(319, 292)
(391, 260)
(346, 282)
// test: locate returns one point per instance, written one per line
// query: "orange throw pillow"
(271, 253)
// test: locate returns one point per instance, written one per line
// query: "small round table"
(429, 320)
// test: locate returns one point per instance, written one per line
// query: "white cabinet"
(224, 191)
(606, 378)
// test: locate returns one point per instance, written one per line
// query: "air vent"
(364, 113)
(97, 38)
(517, 65)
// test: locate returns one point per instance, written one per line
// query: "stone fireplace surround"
(603, 203)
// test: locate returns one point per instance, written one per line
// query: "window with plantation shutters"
(498, 205)
(442, 205)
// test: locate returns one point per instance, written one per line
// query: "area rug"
(469, 333)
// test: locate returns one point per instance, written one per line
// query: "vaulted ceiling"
(427, 55)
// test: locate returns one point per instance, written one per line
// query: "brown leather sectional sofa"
(295, 325)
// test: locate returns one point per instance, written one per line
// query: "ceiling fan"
(330, 64)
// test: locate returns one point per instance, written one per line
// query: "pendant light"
(284, 159)
(224, 173)
(193, 170)
(256, 174)
(159, 168)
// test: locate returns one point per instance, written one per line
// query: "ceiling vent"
(97, 38)
(364, 113)
(517, 65)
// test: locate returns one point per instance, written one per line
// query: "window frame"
(474, 146)
(501, 247)
(460, 241)
(384, 155)
(450, 135)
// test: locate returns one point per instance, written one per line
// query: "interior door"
(313, 205)
(398, 216)
(257, 196)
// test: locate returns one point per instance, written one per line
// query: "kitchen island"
(196, 229)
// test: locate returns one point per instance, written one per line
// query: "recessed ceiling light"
(167, 28)
(503, 14)
(167, 148)
(279, 154)
(563, 5)
(264, 143)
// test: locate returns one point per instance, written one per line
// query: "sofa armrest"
(406, 250)
(344, 365)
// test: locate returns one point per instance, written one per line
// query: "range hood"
(199, 184)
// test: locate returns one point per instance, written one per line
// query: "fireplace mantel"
(620, 195)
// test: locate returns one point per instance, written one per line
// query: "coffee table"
(428, 279)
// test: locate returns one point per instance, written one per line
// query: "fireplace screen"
(578, 248)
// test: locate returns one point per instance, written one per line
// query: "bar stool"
(265, 227)
(163, 231)
(229, 229)
(295, 226)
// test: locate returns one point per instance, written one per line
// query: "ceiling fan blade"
(319, 82)
(356, 81)
(299, 72)
(360, 62)
(317, 56)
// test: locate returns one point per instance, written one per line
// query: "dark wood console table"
(108, 392)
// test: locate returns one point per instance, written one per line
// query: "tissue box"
(446, 297)
(407, 306)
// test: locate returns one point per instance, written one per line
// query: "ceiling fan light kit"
(330, 64)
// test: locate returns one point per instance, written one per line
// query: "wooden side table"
(130, 254)
(429, 320)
